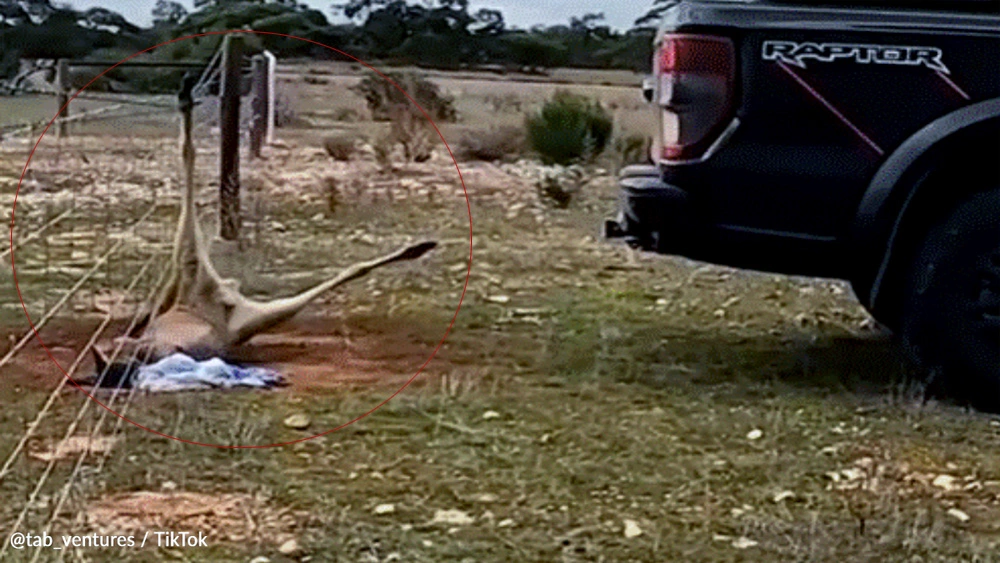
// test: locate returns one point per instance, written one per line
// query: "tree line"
(442, 34)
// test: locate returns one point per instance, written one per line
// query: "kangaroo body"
(203, 315)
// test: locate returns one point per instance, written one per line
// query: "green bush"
(569, 128)
(383, 98)
(495, 143)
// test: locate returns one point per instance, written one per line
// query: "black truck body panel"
(793, 188)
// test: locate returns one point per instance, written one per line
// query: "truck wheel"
(951, 317)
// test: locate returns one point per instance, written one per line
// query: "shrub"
(284, 111)
(339, 147)
(569, 128)
(383, 147)
(382, 97)
(495, 143)
(558, 187)
(504, 103)
(347, 114)
(631, 149)
(410, 130)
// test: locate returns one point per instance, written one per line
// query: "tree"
(586, 25)
(98, 18)
(488, 23)
(11, 13)
(655, 13)
(168, 12)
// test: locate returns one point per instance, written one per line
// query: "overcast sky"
(521, 13)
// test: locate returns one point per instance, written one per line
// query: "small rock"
(632, 529)
(260, 559)
(169, 486)
(298, 421)
(387, 508)
(958, 515)
(853, 474)
(427, 543)
(487, 498)
(452, 516)
(505, 523)
(755, 434)
(490, 415)
(318, 217)
(744, 542)
(783, 495)
(290, 547)
(501, 299)
(945, 482)
(865, 463)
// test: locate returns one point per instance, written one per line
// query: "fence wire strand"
(33, 427)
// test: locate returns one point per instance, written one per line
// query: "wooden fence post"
(63, 83)
(229, 121)
(258, 123)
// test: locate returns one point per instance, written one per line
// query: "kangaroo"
(201, 314)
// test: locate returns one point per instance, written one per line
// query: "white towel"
(179, 372)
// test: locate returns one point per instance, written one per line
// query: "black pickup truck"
(846, 139)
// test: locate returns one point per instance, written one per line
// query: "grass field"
(590, 403)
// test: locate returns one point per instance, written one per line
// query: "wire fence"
(91, 231)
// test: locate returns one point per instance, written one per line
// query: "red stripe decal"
(832, 109)
(951, 83)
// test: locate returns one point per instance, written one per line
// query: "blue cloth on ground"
(179, 372)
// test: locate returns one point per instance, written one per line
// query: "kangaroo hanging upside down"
(203, 315)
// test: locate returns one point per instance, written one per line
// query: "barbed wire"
(33, 427)
(70, 430)
(121, 108)
(38, 232)
(87, 402)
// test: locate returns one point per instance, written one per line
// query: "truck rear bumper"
(652, 214)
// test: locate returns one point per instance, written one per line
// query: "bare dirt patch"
(73, 446)
(225, 517)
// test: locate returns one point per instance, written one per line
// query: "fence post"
(63, 83)
(272, 94)
(229, 121)
(258, 122)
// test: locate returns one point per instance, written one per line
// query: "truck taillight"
(696, 75)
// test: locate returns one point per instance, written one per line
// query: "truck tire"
(951, 310)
